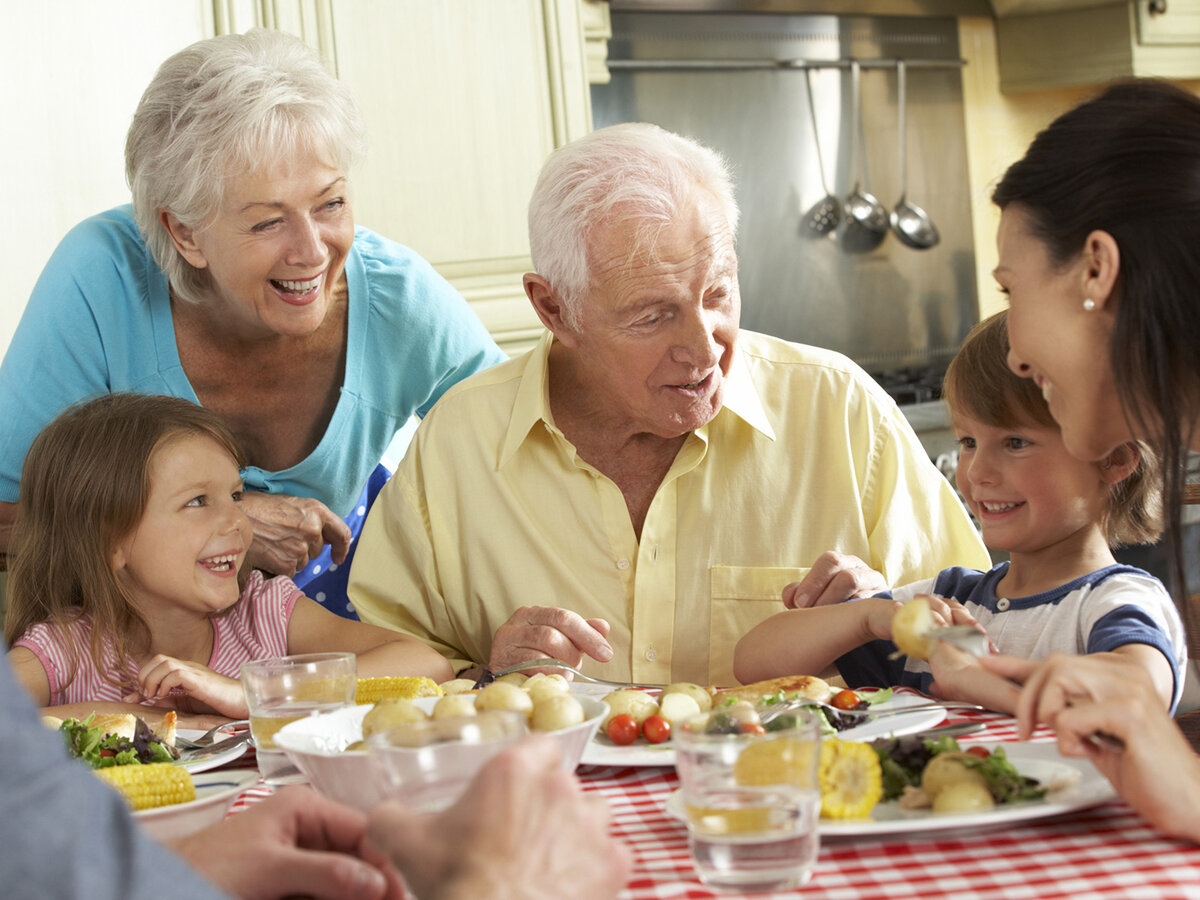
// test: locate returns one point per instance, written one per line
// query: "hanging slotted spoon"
(826, 213)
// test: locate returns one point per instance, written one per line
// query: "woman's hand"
(522, 830)
(163, 679)
(289, 531)
(1157, 772)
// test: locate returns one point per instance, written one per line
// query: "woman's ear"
(1102, 265)
(1120, 464)
(184, 238)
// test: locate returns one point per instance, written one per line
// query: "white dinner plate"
(215, 791)
(211, 762)
(603, 752)
(1084, 786)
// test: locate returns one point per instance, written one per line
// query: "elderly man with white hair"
(641, 488)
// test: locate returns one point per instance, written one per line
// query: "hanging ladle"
(825, 214)
(866, 219)
(911, 224)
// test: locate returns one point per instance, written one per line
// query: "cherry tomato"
(846, 700)
(656, 729)
(981, 752)
(622, 729)
(753, 728)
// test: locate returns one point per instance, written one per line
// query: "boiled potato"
(389, 713)
(454, 705)
(503, 695)
(514, 678)
(911, 625)
(457, 686)
(963, 796)
(556, 712)
(638, 704)
(701, 695)
(946, 769)
(677, 707)
(542, 685)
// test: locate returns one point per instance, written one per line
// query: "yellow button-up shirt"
(492, 509)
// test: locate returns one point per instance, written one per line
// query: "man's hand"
(289, 531)
(833, 578)
(523, 830)
(295, 843)
(536, 631)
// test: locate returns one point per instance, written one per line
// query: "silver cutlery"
(206, 739)
(777, 709)
(547, 663)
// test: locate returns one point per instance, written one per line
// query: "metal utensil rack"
(779, 64)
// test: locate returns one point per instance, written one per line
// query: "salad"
(101, 750)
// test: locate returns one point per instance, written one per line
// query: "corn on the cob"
(151, 785)
(371, 690)
(851, 779)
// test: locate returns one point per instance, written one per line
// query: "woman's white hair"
(635, 172)
(221, 107)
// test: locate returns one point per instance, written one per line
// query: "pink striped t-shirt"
(255, 629)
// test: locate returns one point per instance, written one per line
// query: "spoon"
(911, 224)
(866, 219)
(825, 214)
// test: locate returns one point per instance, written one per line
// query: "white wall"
(73, 71)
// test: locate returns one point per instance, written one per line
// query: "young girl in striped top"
(125, 586)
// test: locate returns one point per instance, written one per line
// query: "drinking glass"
(287, 688)
(752, 803)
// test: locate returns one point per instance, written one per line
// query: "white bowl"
(317, 746)
(215, 791)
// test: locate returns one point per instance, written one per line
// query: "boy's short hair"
(980, 384)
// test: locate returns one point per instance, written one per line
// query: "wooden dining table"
(1103, 851)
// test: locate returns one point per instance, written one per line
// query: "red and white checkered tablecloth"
(1106, 851)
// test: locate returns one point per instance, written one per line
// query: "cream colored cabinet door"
(73, 72)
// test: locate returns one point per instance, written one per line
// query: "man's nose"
(699, 346)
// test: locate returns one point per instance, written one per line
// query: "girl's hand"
(164, 678)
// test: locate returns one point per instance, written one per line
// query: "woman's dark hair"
(1128, 163)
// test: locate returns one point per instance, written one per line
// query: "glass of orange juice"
(752, 799)
(287, 688)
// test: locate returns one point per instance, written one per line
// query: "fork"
(208, 737)
(777, 709)
(548, 663)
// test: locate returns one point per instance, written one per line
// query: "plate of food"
(1025, 781)
(639, 745)
(215, 791)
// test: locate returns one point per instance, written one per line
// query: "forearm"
(404, 655)
(802, 640)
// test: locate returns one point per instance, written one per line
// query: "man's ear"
(183, 237)
(1120, 464)
(1102, 265)
(548, 308)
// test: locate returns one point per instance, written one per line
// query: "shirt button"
(651, 654)
(622, 563)
(1002, 604)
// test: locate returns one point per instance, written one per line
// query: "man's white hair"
(635, 172)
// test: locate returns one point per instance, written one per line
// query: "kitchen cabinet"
(1098, 44)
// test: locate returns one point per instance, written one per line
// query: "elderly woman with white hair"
(238, 280)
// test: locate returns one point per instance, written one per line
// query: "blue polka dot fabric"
(324, 580)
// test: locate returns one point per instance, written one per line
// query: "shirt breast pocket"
(740, 598)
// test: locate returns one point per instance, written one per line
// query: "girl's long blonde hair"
(84, 487)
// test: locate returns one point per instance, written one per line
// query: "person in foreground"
(638, 488)
(64, 834)
(1098, 258)
(238, 280)
(1061, 591)
(125, 583)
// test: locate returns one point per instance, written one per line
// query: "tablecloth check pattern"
(1102, 853)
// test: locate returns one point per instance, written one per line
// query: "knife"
(948, 730)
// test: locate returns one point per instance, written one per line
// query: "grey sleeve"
(63, 834)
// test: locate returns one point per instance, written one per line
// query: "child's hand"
(165, 678)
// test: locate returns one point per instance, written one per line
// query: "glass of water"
(286, 688)
(752, 802)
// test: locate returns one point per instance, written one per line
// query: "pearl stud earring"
(1089, 304)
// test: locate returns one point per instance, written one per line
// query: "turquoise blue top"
(99, 321)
